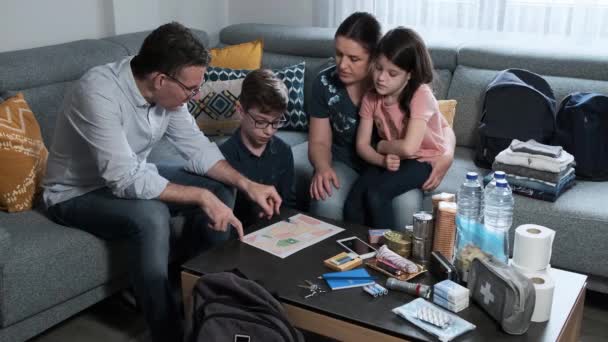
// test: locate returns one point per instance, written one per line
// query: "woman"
(334, 119)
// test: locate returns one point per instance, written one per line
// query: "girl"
(407, 119)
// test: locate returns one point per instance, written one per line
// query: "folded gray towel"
(551, 177)
(534, 147)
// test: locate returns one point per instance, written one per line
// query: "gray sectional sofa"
(49, 272)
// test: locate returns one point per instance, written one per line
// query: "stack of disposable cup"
(532, 257)
(445, 229)
(441, 197)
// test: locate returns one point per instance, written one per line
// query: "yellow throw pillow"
(22, 155)
(448, 109)
(240, 56)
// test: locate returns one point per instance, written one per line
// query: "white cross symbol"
(487, 294)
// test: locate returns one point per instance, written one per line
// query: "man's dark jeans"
(144, 224)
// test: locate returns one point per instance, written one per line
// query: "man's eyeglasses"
(191, 92)
(262, 124)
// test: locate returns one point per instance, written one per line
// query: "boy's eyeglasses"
(191, 92)
(262, 124)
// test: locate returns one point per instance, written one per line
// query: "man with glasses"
(98, 178)
(253, 149)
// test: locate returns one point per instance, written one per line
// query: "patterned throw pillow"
(215, 112)
(292, 76)
(22, 155)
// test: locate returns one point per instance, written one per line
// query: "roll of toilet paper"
(532, 247)
(544, 287)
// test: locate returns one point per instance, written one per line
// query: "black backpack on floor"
(227, 307)
(582, 130)
(518, 104)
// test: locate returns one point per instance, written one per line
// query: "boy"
(253, 150)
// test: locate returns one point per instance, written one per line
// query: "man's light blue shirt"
(105, 132)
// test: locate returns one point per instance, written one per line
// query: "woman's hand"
(392, 162)
(440, 167)
(322, 182)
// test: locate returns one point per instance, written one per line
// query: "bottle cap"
(499, 175)
(501, 183)
(471, 175)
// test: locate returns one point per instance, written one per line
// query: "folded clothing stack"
(451, 296)
(536, 170)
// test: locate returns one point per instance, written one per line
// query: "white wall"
(285, 12)
(31, 23)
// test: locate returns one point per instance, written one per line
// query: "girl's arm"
(364, 143)
(407, 147)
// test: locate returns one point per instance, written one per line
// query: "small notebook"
(347, 279)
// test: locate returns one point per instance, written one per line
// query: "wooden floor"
(113, 320)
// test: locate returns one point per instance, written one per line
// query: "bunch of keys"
(313, 288)
(435, 317)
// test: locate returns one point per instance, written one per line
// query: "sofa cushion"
(578, 217)
(239, 56)
(45, 102)
(37, 67)
(283, 39)
(50, 264)
(22, 155)
(543, 60)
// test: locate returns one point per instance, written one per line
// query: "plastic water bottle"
(498, 217)
(470, 199)
(496, 176)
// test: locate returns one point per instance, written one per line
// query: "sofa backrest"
(464, 68)
(566, 71)
(288, 45)
(43, 74)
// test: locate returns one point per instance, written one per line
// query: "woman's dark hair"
(363, 28)
(406, 49)
(168, 49)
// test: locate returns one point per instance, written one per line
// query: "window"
(555, 21)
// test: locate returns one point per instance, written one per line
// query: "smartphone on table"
(357, 246)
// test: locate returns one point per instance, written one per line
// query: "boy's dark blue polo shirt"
(273, 167)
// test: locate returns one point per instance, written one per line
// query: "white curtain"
(561, 21)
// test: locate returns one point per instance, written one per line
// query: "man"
(98, 179)
(253, 149)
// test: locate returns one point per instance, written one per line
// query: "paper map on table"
(285, 238)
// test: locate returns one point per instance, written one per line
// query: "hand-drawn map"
(291, 235)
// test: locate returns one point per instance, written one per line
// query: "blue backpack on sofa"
(518, 104)
(582, 130)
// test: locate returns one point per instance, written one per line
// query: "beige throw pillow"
(448, 109)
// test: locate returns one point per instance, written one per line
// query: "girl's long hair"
(406, 49)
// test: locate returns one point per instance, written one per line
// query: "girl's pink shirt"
(391, 122)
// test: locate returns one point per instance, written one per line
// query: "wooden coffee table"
(351, 314)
